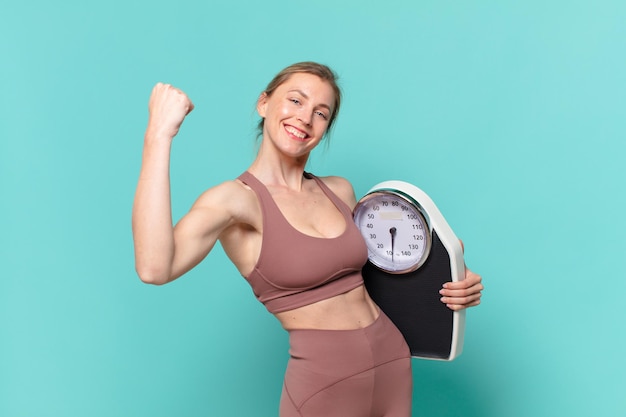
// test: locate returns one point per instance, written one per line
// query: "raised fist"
(168, 107)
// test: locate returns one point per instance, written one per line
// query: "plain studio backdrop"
(509, 114)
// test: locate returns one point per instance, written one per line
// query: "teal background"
(510, 114)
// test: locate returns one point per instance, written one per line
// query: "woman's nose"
(305, 117)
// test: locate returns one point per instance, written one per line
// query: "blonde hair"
(308, 67)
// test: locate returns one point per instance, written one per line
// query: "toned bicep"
(198, 231)
(194, 237)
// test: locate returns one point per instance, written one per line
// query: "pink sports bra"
(295, 269)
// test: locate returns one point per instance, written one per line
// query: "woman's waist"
(351, 310)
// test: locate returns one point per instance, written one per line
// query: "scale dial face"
(395, 230)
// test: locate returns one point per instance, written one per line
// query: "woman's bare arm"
(153, 231)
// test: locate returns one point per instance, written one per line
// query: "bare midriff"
(351, 310)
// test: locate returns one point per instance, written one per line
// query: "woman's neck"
(279, 170)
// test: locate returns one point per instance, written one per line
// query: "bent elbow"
(152, 276)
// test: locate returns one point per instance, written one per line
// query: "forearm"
(153, 231)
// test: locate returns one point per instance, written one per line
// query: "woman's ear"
(261, 104)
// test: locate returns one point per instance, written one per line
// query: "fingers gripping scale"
(412, 252)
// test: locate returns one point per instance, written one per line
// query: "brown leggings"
(348, 373)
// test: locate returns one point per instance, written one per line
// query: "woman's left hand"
(462, 294)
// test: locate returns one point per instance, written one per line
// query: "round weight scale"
(412, 252)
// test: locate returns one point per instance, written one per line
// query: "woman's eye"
(295, 101)
(322, 115)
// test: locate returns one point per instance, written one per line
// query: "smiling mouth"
(296, 132)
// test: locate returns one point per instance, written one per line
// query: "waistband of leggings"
(378, 321)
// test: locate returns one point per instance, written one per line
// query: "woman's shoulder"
(225, 191)
(342, 188)
(233, 196)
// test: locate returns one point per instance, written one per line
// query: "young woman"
(347, 358)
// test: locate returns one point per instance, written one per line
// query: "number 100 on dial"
(395, 230)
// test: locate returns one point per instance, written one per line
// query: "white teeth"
(295, 132)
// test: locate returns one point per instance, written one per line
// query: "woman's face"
(297, 113)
